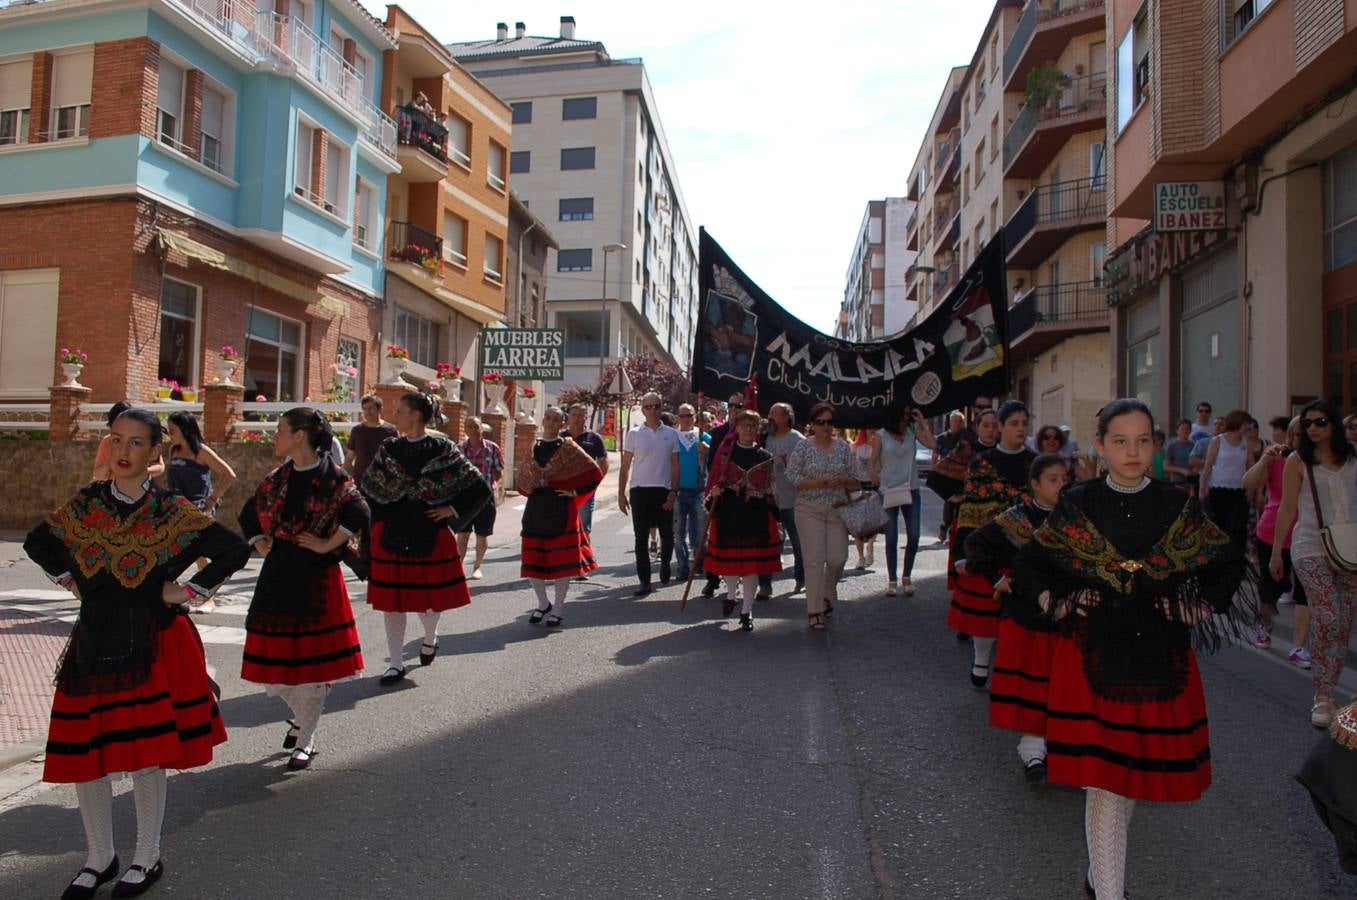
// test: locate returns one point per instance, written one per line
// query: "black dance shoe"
(137, 888)
(537, 615)
(1088, 889)
(746, 622)
(642, 591)
(427, 652)
(391, 676)
(979, 675)
(664, 573)
(301, 758)
(290, 740)
(962, 637)
(1035, 771)
(80, 892)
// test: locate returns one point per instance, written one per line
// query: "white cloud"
(782, 124)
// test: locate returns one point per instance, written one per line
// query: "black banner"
(943, 363)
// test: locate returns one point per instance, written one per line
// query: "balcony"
(1052, 313)
(1039, 131)
(945, 279)
(380, 131)
(409, 243)
(423, 144)
(1043, 31)
(1048, 217)
(947, 164)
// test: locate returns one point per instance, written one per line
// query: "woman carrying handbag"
(1319, 494)
(893, 449)
(822, 470)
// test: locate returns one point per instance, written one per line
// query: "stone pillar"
(525, 435)
(454, 415)
(64, 414)
(391, 395)
(221, 408)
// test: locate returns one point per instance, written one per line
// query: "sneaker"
(1262, 638)
(890, 589)
(1299, 657)
(1321, 714)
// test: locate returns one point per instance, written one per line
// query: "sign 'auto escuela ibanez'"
(537, 353)
(1189, 206)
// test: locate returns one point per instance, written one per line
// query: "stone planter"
(494, 395)
(226, 368)
(72, 372)
(395, 367)
(452, 390)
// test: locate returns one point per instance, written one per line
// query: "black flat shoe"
(80, 892)
(979, 675)
(537, 614)
(553, 621)
(642, 591)
(301, 759)
(391, 676)
(291, 740)
(962, 637)
(137, 888)
(426, 654)
(746, 622)
(1035, 771)
(709, 591)
(727, 606)
(1088, 889)
(664, 574)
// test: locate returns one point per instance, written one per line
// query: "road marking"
(37, 594)
(230, 635)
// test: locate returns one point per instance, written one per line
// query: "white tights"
(539, 587)
(742, 583)
(1030, 747)
(149, 788)
(1107, 822)
(306, 701)
(395, 634)
(984, 651)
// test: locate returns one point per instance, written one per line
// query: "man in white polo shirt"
(650, 466)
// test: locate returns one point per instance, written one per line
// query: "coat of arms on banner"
(730, 329)
(973, 343)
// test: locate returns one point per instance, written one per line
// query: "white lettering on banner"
(779, 373)
(831, 365)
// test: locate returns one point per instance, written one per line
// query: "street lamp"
(603, 311)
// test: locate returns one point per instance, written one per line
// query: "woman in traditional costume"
(421, 491)
(1330, 775)
(300, 635)
(997, 480)
(132, 689)
(1135, 573)
(1022, 658)
(744, 541)
(558, 478)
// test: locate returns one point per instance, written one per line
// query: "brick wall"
(123, 94)
(40, 98)
(1318, 24)
(1176, 66)
(193, 113)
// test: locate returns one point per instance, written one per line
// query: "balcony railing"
(1038, 12)
(945, 214)
(1058, 303)
(1054, 203)
(913, 218)
(410, 243)
(946, 150)
(380, 130)
(416, 128)
(1070, 97)
(945, 277)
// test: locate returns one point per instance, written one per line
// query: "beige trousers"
(824, 550)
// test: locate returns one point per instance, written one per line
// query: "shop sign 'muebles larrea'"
(1189, 206)
(536, 353)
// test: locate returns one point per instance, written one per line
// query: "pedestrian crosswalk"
(60, 606)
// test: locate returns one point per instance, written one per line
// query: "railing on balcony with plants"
(1051, 94)
(1054, 203)
(410, 243)
(380, 130)
(416, 128)
(1058, 303)
(945, 213)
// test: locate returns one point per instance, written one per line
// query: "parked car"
(923, 459)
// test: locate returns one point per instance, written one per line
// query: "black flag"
(943, 363)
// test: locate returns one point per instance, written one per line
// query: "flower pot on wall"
(395, 367)
(494, 394)
(72, 372)
(226, 368)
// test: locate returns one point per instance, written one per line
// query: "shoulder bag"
(862, 513)
(1339, 541)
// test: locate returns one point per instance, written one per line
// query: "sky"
(781, 125)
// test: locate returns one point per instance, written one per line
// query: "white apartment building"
(590, 157)
(874, 302)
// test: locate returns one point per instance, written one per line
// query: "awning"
(210, 256)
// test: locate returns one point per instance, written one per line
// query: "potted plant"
(451, 378)
(526, 410)
(189, 393)
(228, 360)
(397, 360)
(1042, 82)
(72, 364)
(494, 393)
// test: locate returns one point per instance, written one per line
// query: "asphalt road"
(641, 752)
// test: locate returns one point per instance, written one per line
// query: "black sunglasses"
(1318, 422)
(650, 406)
(824, 422)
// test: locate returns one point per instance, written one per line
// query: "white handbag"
(896, 496)
(1339, 541)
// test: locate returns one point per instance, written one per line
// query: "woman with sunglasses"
(892, 462)
(1323, 468)
(821, 467)
(998, 479)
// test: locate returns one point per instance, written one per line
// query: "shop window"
(179, 308)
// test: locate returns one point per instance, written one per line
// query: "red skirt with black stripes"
(1146, 750)
(320, 652)
(414, 584)
(1021, 680)
(565, 555)
(170, 720)
(973, 610)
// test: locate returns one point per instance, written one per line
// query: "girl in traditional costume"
(132, 689)
(998, 479)
(421, 491)
(558, 478)
(744, 541)
(1022, 658)
(1133, 571)
(300, 635)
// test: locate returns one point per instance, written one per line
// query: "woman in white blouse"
(822, 470)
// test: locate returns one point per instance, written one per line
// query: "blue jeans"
(789, 532)
(587, 514)
(689, 522)
(910, 514)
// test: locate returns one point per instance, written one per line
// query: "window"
(494, 258)
(522, 113)
(178, 331)
(337, 177)
(16, 79)
(211, 148)
(575, 260)
(1097, 252)
(583, 336)
(301, 163)
(169, 104)
(494, 167)
(273, 356)
(28, 331)
(1133, 69)
(577, 158)
(579, 108)
(454, 239)
(994, 137)
(348, 370)
(581, 209)
(520, 161)
(1096, 162)
(459, 139)
(72, 74)
(418, 335)
(1238, 15)
(980, 161)
(365, 215)
(1340, 210)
